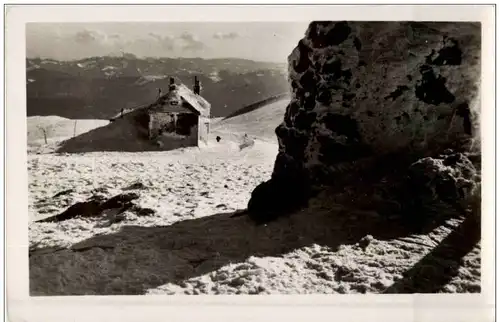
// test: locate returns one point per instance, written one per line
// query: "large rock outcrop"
(362, 91)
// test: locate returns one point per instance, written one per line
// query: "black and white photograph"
(185, 158)
(308, 157)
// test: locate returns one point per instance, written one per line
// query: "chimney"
(172, 84)
(196, 88)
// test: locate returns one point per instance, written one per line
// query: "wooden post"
(44, 131)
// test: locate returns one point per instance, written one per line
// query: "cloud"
(228, 36)
(188, 36)
(85, 37)
(96, 38)
(83, 43)
(88, 42)
(191, 42)
(165, 42)
(155, 36)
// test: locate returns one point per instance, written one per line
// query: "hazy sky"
(263, 41)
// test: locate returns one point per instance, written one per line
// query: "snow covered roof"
(126, 111)
(181, 92)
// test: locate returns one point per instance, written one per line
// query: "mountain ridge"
(99, 87)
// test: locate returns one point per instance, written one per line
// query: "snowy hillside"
(58, 128)
(259, 123)
(180, 238)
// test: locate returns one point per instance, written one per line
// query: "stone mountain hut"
(179, 118)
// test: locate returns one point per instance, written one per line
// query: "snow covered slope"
(259, 123)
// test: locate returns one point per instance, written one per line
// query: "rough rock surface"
(363, 90)
(449, 180)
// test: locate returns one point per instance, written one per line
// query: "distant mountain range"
(99, 87)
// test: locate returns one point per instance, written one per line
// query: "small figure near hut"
(218, 138)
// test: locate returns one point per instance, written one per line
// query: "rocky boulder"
(435, 188)
(364, 90)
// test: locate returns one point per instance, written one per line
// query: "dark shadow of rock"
(136, 258)
(439, 267)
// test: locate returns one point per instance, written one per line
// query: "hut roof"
(179, 92)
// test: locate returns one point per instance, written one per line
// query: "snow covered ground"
(45, 132)
(191, 245)
(58, 128)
